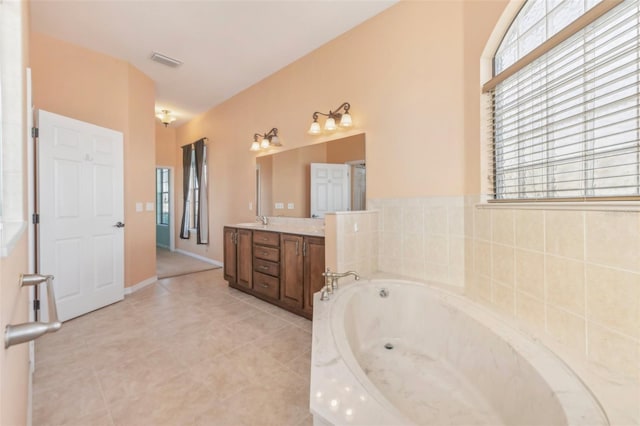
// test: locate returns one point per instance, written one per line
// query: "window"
(566, 104)
(193, 191)
(162, 196)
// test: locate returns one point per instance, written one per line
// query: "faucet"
(263, 219)
(331, 282)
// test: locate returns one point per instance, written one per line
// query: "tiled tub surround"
(452, 362)
(571, 277)
(568, 277)
(351, 242)
(422, 238)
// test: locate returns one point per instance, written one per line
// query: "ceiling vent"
(165, 60)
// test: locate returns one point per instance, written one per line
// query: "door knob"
(119, 225)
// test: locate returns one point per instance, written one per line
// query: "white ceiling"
(225, 46)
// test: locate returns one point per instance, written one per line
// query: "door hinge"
(35, 218)
(35, 132)
(36, 305)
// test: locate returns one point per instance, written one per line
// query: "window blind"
(567, 125)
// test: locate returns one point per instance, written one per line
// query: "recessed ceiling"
(225, 46)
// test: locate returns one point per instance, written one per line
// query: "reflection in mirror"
(283, 179)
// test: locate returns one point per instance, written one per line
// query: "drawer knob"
(265, 285)
(264, 253)
(264, 267)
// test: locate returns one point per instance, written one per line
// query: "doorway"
(164, 208)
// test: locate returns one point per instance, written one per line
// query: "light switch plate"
(290, 206)
(279, 205)
(138, 207)
(150, 206)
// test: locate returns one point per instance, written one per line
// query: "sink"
(251, 225)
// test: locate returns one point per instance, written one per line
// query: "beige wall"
(92, 87)
(402, 72)
(349, 149)
(166, 146)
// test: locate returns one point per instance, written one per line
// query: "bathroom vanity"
(276, 264)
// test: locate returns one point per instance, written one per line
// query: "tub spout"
(331, 278)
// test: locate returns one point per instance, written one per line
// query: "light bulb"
(255, 146)
(265, 143)
(315, 128)
(330, 124)
(275, 141)
(345, 121)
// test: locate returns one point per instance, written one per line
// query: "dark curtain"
(186, 178)
(202, 224)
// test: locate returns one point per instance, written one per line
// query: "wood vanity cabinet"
(313, 269)
(266, 263)
(238, 256)
(292, 270)
(286, 268)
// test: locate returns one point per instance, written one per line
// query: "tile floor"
(185, 350)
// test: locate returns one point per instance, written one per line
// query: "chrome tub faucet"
(331, 282)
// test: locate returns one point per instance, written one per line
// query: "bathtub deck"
(428, 391)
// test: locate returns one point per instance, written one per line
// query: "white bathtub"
(447, 361)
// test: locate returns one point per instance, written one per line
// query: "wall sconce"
(333, 116)
(266, 140)
(165, 117)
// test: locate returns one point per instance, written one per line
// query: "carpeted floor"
(172, 264)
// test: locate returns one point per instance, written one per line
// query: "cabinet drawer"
(266, 253)
(266, 238)
(266, 267)
(266, 284)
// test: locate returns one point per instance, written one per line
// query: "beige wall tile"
(530, 272)
(504, 298)
(456, 252)
(568, 329)
(531, 311)
(614, 351)
(530, 229)
(482, 224)
(613, 239)
(613, 299)
(435, 272)
(391, 218)
(436, 220)
(413, 246)
(502, 227)
(412, 219)
(437, 249)
(482, 257)
(456, 220)
(564, 280)
(503, 267)
(483, 286)
(564, 233)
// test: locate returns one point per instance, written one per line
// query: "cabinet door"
(291, 272)
(245, 258)
(230, 254)
(313, 269)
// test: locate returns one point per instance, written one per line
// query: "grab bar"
(25, 332)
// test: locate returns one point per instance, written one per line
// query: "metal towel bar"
(25, 332)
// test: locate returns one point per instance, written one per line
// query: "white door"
(80, 202)
(330, 188)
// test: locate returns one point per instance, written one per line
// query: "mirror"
(283, 179)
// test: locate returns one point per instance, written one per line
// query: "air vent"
(165, 60)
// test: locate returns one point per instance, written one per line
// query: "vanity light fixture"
(344, 119)
(266, 140)
(165, 117)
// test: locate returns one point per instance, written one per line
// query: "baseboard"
(164, 246)
(202, 258)
(140, 285)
